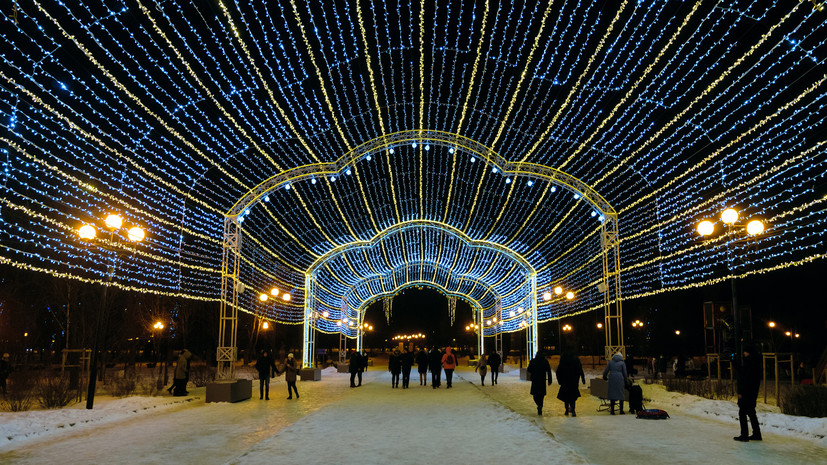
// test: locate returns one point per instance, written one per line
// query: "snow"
(332, 423)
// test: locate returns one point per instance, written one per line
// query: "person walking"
(422, 366)
(569, 372)
(182, 373)
(494, 361)
(395, 367)
(407, 361)
(5, 371)
(615, 372)
(291, 371)
(449, 363)
(435, 365)
(266, 367)
(355, 368)
(538, 371)
(482, 368)
(749, 381)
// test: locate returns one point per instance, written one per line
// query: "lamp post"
(754, 227)
(118, 234)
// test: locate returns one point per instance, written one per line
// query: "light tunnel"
(505, 272)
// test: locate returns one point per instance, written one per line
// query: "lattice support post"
(360, 330)
(480, 332)
(308, 330)
(231, 287)
(498, 334)
(610, 287)
(532, 333)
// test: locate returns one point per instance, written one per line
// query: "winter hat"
(289, 355)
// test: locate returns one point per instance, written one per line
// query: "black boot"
(612, 407)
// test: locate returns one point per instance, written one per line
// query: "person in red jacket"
(449, 363)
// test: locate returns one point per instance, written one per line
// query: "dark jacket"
(395, 363)
(749, 377)
(422, 361)
(435, 361)
(266, 366)
(407, 360)
(494, 361)
(355, 363)
(182, 369)
(291, 369)
(538, 371)
(569, 374)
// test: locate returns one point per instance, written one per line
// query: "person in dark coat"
(395, 367)
(422, 366)
(538, 371)
(407, 361)
(355, 368)
(266, 368)
(749, 381)
(569, 372)
(494, 361)
(5, 371)
(291, 372)
(615, 372)
(435, 365)
(182, 374)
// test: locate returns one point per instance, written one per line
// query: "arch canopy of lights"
(479, 147)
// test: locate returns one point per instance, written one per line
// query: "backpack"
(450, 359)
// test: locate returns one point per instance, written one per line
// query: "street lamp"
(706, 228)
(88, 232)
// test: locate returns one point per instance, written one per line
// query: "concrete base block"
(311, 374)
(233, 390)
(343, 368)
(524, 374)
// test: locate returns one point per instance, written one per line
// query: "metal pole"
(93, 364)
(736, 321)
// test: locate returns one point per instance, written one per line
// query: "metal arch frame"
(448, 139)
(232, 230)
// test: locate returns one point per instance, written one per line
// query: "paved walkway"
(332, 423)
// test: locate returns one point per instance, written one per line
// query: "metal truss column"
(610, 287)
(309, 330)
(480, 333)
(231, 287)
(360, 330)
(498, 334)
(531, 329)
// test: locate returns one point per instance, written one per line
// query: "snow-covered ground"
(332, 423)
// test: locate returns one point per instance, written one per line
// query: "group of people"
(569, 373)
(493, 360)
(435, 361)
(266, 367)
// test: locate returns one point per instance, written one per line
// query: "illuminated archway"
(608, 285)
(514, 292)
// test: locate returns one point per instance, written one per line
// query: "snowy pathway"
(374, 424)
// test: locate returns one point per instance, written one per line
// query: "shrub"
(123, 387)
(55, 392)
(19, 393)
(201, 375)
(708, 388)
(804, 400)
